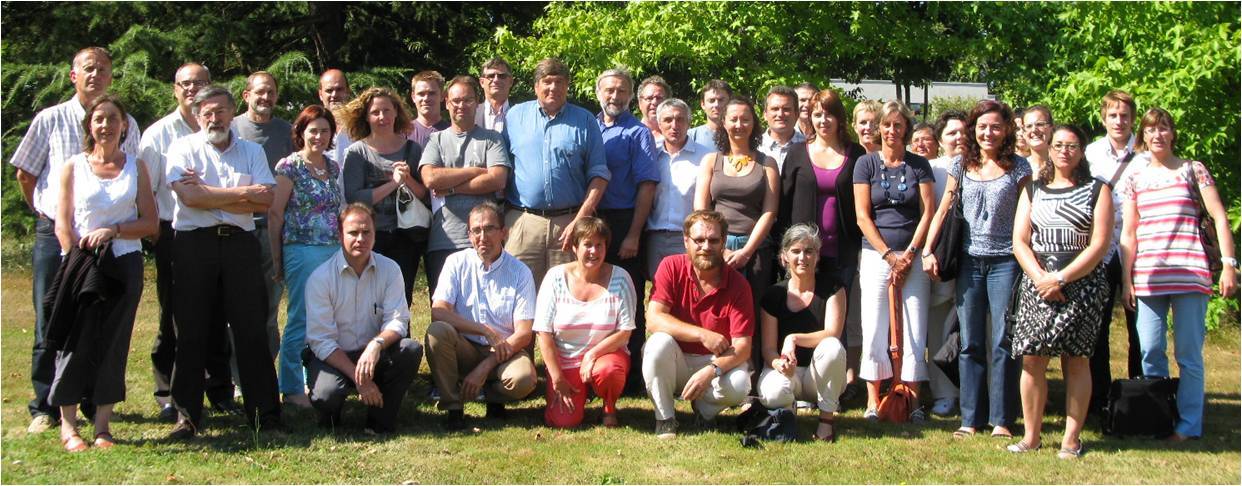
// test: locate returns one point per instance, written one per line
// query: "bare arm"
(276, 222)
(493, 180)
(443, 178)
(660, 319)
(942, 212)
(1101, 233)
(65, 233)
(927, 203)
(768, 334)
(1229, 273)
(1127, 251)
(595, 192)
(28, 182)
(148, 222)
(771, 202)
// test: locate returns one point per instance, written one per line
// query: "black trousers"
(403, 250)
(396, 369)
(215, 272)
(164, 352)
(1101, 375)
(619, 222)
(93, 366)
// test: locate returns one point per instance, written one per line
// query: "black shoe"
(168, 413)
(227, 407)
(497, 411)
(184, 430)
(274, 427)
(454, 421)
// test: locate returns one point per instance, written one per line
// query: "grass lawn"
(522, 450)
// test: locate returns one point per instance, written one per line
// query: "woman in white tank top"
(105, 197)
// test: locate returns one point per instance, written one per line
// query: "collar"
(688, 147)
(770, 141)
(474, 259)
(623, 120)
(342, 264)
(1108, 147)
(487, 107)
(233, 140)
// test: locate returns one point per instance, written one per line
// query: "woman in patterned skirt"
(1062, 290)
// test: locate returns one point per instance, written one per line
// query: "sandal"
(104, 440)
(872, 415)
(1001, 432)
(1022, 448)
(832, 436)
(963, 433)
(73, 443)
(1070, 454)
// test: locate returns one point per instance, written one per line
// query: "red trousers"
(607, 379)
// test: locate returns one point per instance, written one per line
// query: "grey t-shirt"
(989, 208)
(478, 147)
(276, 137)
(366, 169)
(896, 207)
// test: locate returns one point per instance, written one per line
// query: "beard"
(217, 136)
(264, 110)
(613, 110)
(707, 262)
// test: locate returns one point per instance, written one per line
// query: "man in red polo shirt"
(701, 318)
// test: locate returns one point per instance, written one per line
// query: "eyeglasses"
(901, 185)
(1040, 125)
(652, 99)
(496, 76)
(192, 83)
(1060, 147)
(483, 230)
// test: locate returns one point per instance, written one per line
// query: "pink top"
(1169, 258)
(578, 326)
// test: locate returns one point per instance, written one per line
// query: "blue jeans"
(1189, 310)
(300, 261)
(46, 261)
(984, 287)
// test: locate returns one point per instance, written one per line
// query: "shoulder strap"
(1030, 190)
(1121, 167)
(1192, 183)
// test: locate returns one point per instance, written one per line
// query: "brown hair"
(262, 74)
(551, 67)
(354, 115)
(1117, 97)
(756, 130)
(973, 155)
(351, 208)
(705, 216)
(829, 101)
(433, 77)
(88, 140)
(308, 115)
(1082, 173)
(588, 227)
(464, 79)
(1155, 116)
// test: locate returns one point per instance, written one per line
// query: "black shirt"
(808, 320)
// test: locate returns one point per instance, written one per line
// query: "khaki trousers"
(451, 356)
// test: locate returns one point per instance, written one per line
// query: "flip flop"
(104, 440)
(963, 433)
(1070, 454)
(1003, 434)
(73, 443)
(832, 436)
(1022, 448)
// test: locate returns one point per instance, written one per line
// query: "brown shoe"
(104, 440)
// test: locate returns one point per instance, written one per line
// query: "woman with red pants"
(583, 318)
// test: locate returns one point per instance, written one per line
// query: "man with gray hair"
(780, 111)
(218, 182)
(155, 144)
(651, 92)
(54, 135)
(497, 79)
(559, 171)
(631, 153)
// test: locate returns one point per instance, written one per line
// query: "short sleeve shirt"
(728, 310)
(155, 143)
(807, 320)
(241, 164)
(496, 297)
(895, 208)
(311, 213)
(478, 147)
(578, 326)
(1170, 257)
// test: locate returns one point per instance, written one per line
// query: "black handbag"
(761, 423)
(946, 356)
(949, 239)
(1143, 406)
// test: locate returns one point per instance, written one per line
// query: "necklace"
(739, 161)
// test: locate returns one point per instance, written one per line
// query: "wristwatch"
(1231, 261)
(379, 340)
(717, 370)
(1060, 278)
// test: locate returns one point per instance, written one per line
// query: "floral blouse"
(310, 215)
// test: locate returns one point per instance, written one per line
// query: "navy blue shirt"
(631, 153)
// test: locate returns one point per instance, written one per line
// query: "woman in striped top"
(583, 318)
(1061, 233)
(1165, 262)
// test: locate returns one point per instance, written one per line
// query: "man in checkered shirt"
(55, 135)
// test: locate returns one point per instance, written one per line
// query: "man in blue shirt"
(631, 153)
(559, 171)
(712, 98)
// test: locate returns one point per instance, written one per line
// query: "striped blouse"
(1061, 218)
(1169, 258)
(578, 326)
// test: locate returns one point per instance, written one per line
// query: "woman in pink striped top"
(583, 318)
(1166, 264)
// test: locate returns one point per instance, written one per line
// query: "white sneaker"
(39, 424)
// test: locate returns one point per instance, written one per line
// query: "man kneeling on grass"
(701, 317)
(357, 320)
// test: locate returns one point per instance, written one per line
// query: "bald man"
(53, 137)
(334, 93)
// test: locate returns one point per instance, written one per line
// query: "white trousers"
(873, 311)
(666, 370)
(822, 381)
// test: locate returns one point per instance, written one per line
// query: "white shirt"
(674, 194)
(54, 135)
(495, 297)
(489, 118)
(155, 144)
(101, 203)
(1104, 162)
(241, 164)
(346, 310)
(337, 154)
(770, 147)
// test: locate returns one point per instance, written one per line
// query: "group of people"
(772, 248)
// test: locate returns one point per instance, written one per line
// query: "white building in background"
(878, 89)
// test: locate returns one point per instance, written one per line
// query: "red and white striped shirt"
(578, 326)
(1169, 258)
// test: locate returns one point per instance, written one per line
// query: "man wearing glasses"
(481, 313)
(497, 80)
(155, 143)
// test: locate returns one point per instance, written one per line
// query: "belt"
(222, 230)
(1055, 262)
(547, 213)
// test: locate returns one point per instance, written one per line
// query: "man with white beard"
(259, 125)
(218, 182)
(631, 153)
